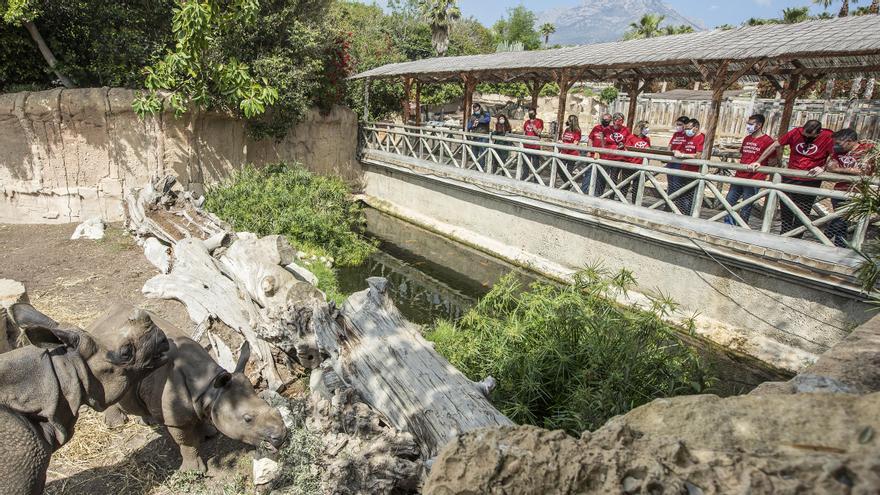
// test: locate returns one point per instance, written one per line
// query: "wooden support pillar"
(720, 80)
(418, 102)
(535, 88)
(565, 82)
(407, 91)
(793, 89)
(636, 88)
(470, 85)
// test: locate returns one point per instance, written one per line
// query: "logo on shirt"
(806, 149)
(617, 137)
(641, 144)
(847, 161)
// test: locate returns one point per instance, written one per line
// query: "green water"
(432, 277)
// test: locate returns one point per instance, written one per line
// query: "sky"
(711, 12)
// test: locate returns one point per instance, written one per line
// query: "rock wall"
(67, 155)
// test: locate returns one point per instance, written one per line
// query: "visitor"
(479, 123)
(533, 128)
(502, 128)
(619, 134)
(752, 147)
(673, 183)
(692, 148)
(600, 137)
(572, 135)
(810, 148)
(640, 139)
(850, 157)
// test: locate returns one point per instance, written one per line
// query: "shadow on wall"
(69, 154)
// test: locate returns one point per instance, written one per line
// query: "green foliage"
(567, 357)
(546, 30)
(299, 457)
(315, 212)
(97, 42)
(608, 95)
(649, 27)
(865, 203)
(518, 27)
(195, 75)
(440, 15)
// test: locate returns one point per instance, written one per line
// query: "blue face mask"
(690, 132)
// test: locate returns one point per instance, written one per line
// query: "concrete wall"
(784, 301)
(67, 155)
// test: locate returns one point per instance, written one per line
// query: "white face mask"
(690, 132)
(646, 131)
(751, 128)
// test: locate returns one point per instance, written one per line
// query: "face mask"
(809, 139)
(606, 123)
(532, 116)
(502, 121)
(690, 132)
(751, 128)
(645, 132)
(679, 128)
(838, 149)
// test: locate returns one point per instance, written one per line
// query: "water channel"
(433, 277)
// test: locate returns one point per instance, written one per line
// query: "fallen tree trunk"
(376, 351)
(255, 287)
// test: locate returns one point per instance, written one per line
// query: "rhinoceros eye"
(248, 418)
(122, 356)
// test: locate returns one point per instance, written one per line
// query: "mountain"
(596, 21)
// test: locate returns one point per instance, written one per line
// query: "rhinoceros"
(43, 385)
(194, 397)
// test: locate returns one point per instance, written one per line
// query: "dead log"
(384, 357)
(255, 287)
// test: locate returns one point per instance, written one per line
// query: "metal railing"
(781, 207)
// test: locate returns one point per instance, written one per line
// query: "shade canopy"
(848, 45)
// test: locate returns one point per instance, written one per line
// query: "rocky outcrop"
(807, 443)
(817, 433)
(68, 154)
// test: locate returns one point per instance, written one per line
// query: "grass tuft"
(568, 357)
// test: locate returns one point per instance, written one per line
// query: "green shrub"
(316, 213)
(568, 357)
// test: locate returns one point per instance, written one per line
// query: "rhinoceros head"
(240, 414)
(116, 359)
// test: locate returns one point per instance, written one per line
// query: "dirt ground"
(73, 281)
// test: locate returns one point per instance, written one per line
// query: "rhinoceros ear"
(221, 380)
(243, 357)
(26, 316)
(48, 338)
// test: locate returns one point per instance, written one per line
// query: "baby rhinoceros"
(192, 395)
(43, 385)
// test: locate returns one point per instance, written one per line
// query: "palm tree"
(681, 29)
(547, 29)
(440, 14)
(844, 6)
(875, 7)
(647, 27)
(795, 15)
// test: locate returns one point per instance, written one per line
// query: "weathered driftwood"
(255, 286)
(377, 352)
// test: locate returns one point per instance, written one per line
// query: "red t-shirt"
(854, 159)
(571, 137)
(617, 138)
(805, 156)
(533, 128)
(633, 141)
(677, 141)
(691, 146)
(600, 136)
(751, 150)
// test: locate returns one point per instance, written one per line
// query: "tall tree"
(795, 15)
(440, 14)
(23, 13)
(547, 29)
(844, 5)
(647, 27)
(518, 27)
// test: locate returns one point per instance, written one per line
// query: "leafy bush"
(567, 357)
(314, 212)
(608, 95)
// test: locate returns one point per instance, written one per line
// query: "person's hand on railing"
(754, 166)
(815, 171)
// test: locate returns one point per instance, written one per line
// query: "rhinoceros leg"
(114, 417)
(189, 439)
(24, 456)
